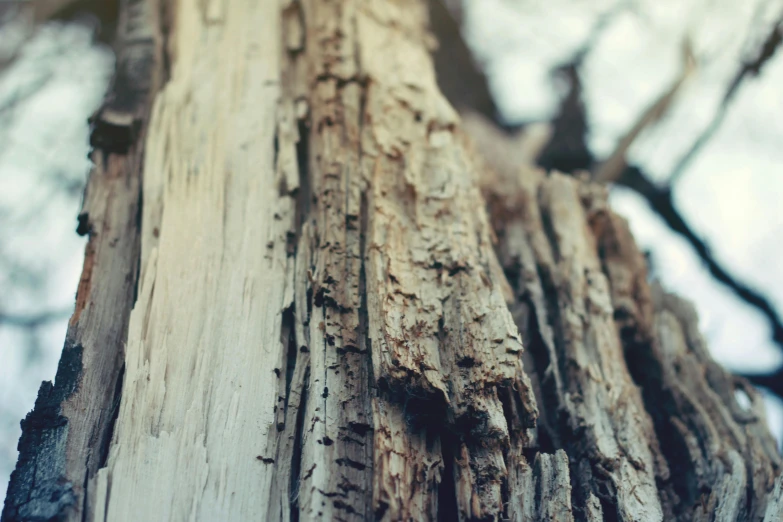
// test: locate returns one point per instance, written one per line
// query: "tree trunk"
(328, 325)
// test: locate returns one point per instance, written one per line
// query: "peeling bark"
(65, 438)
(330, 326)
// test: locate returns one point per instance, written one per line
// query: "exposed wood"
(567, 149)
(429, 281)
(205, 333)
(775, 506)
(688, 395)
(594, 406)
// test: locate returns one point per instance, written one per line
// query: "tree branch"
(611, 169)
(748, 68)
(459, 78)
(567, 149)
(660, 200)
(773, 381)
(572, 139)
(34, 320)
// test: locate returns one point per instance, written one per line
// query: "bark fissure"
(448, 506)
(304, 194)
(296, 456)
(290, 357)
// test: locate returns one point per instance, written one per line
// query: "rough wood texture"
(330, 326)
(594, 409)
(683, 448)
(729, 472)
(65, 438)
(774, 509)
(383, 313)
(204, 335)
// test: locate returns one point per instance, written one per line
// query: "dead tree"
(306, 296)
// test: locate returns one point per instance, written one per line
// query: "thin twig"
(773, 381)
(748, 68)
(611, 169)
(34, 320)
(660, 200)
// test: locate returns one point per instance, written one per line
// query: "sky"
(730, 194)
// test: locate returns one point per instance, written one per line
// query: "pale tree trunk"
(306, 313)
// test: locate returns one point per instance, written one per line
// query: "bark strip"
(65, 438)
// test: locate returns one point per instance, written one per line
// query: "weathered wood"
(705, 457)
(330, 326)
(205, 334)
(774, 509)
(348, 313)
(602, 422)
(730, 472)
(65, 438)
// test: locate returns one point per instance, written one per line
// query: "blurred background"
(685, 93)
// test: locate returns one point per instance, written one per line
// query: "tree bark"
(328, 325)
(65, 439)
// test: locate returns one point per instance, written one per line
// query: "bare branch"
(748, 68)
(611, 169)
(773, 381)
(567, 149)
(660, 200)
(572, 116)
(34, 320)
